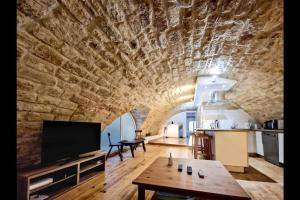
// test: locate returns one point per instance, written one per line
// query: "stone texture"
(95, 60)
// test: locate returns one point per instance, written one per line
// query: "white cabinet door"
(259, 144)
(280, 143)
(251, 142)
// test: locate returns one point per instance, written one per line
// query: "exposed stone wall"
(95, 60)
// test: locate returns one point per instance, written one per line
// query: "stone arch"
(95, 60)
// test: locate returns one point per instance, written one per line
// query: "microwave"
(274, 124)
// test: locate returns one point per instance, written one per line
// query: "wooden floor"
(116, 182)
(172, 142)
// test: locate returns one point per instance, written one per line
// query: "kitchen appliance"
(274, 124)
(271, 147)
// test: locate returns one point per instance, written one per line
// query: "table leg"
(121, 148)
(120, 153)
(141, 193)
(131, 149)
(144, 147)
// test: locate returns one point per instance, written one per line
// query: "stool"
(138, 134)
(202, 145)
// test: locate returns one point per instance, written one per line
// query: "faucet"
(216, 123)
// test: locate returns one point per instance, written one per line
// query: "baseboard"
(235, 168)
(252, 154)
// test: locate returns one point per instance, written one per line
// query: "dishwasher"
(271, 147)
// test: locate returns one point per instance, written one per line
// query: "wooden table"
(132, 144)
(218, 183)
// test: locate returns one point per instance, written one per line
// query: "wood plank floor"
(116, 182)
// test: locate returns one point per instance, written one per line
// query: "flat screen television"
(67, 140)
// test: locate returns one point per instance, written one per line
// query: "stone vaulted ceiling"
(93, 60)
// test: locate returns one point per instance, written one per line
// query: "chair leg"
(108, 152)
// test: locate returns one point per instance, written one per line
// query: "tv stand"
(65, 161)
(87, 156)
(54, 180)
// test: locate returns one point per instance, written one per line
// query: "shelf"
(89, 176)
(50, 184)
(58, 192)
(86, 168)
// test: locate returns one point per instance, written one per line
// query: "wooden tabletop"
(218, 183)
(135, 141)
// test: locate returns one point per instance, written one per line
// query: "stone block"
(67, 76)
(34, 107)
(62, 111)
(50, 91)
(35, 116)
(48, 100)
(26, 96)
(38, 64)
(49, 54)
(36, 76)
(43, 34)
(23, 84)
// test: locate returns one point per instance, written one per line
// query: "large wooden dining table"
(217, 183)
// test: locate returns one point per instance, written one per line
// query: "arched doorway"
(121, 128)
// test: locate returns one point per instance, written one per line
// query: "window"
(122, 128)
(114, 129)
(128, 127)
(192, 126)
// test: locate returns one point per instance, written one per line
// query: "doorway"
(190, 123)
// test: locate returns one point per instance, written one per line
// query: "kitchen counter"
(270, 130)
(217, 129)
(239, 130)
(230, 147)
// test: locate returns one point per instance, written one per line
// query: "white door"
(259, 144)
(280, 143)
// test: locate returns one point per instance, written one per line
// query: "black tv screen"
(62, 139)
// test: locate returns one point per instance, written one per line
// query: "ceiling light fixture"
(215, 71)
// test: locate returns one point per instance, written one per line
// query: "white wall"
(238, 116)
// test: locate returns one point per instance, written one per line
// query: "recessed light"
(223, 86)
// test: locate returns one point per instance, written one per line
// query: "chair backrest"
(138, 134)
(109, 138)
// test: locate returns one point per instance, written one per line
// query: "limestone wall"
(95, 60)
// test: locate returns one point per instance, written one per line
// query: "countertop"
(239, 130)
(270, 130)
(219, 129)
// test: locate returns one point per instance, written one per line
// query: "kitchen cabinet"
(231, 149)
(259, 144)
(280, 143)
